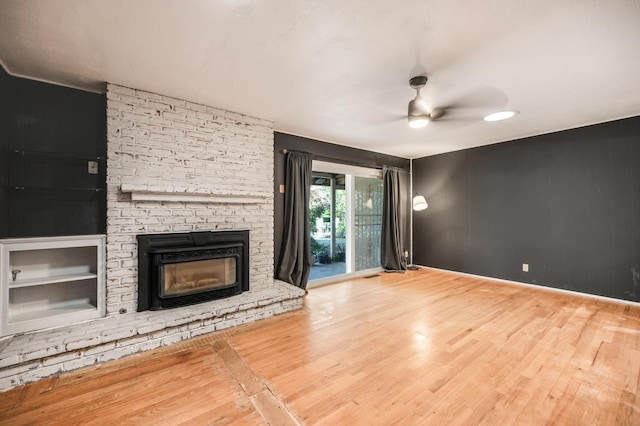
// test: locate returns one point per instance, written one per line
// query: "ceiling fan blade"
(483, 97)
(391, 119)
(437, 113)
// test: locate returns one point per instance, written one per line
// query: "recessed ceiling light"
(501, 115)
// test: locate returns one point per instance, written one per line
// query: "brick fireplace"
(173, 167)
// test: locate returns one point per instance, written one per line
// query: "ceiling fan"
(419, 114)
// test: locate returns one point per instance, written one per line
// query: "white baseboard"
(540, 287)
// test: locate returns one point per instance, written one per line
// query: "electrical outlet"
(282, 189)
(92, 167)
(525, 267)
(406, 253)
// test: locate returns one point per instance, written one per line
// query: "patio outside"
(327, 210)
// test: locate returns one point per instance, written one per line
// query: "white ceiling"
(338, 70)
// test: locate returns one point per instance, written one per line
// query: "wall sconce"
(419, 203)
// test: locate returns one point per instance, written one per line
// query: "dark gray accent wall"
(325, 151)
(566, 203)
(4, 147)
(49, 134)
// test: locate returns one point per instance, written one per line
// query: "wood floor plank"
(272, 409)
(239, 370)
(426, 347)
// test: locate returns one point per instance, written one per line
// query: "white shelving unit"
(49, 282)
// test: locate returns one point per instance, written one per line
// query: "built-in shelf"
(53, 188)
(147, 193)
(57, 312)
(52, 279)
(49, 282)
(56, 155)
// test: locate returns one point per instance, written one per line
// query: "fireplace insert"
(187, 268)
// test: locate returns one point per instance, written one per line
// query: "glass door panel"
(367, 224)
(327, 213)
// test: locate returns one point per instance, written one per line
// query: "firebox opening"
(182, 269)
(198, 276)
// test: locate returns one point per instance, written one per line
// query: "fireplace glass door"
(198, 276)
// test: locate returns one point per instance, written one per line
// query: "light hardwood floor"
(424, 347)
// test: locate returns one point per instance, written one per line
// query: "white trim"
(332, 142)
(88, 87)
(350, 237)
(411, 211)
(344, 169)
(541, 287)
(342, 277)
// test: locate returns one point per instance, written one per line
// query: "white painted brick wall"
(166, 144)
(171, 144)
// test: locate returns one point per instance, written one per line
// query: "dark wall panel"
(4, 149)
(566, 203)
(50, 136)
(323, 151)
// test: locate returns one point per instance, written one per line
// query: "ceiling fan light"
(416, 122)
(499, 116)
(417, 115)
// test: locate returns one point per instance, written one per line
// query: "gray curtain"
(295, 254)
(391, 257)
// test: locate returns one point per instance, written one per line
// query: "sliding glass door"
(345, 212)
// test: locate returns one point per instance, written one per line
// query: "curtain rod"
(336, 160)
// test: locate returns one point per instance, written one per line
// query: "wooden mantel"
(190, 195)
